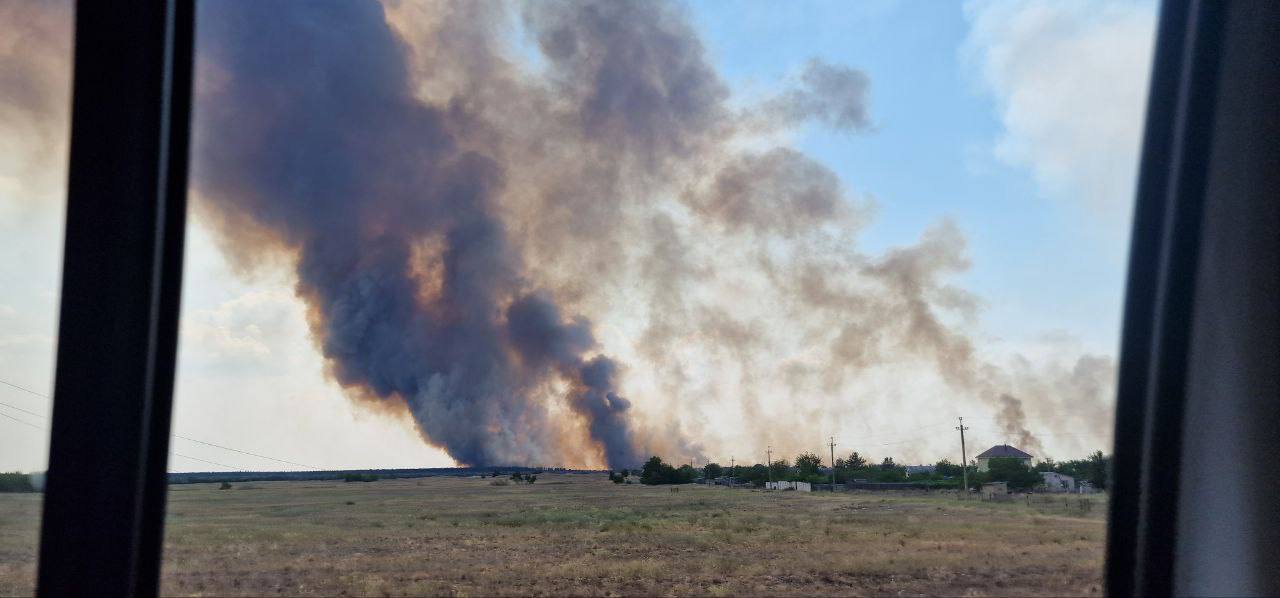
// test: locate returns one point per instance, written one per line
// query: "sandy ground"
(581, 535)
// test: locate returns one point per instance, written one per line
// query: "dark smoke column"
(543, 338)
(307, 138)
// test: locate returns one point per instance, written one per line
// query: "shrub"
(359, 477)
(225, 486)
(1004, 469)
(657, 472)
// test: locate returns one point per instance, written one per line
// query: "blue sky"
(1039, 265)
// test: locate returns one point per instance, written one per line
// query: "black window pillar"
(117, 336)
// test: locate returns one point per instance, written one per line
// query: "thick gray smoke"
(307, 127)
(471, 229)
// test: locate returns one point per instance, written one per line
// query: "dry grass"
(580, 535)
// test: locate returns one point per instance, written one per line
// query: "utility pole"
(733, 471)
(964, 458)
(832, 444)
(768, 461)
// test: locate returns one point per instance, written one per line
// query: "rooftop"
(1003, 450)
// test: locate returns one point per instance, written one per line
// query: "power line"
(39, 415)
(187, 438)
(20, 421)
(205, 461)
(26, 390)
(176, 454)
(244, 452)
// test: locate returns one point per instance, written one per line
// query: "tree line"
(809, 467)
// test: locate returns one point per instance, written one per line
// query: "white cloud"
(247, 327)
(1070, 81)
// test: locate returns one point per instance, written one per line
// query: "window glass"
(645, 298)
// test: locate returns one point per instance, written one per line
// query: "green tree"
(657, 472)
(780, 470)
(948, 469)
(1097, 470)
(1094, 469)
(855, 461)
(652, 471)
(1012, 471)
(756, 475)
(712, 471)
(808, 464)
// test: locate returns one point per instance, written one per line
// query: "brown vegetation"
(582, 535)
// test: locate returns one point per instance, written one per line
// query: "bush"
(359, 477)
(15, 482)
(656, 472)
(225, 486)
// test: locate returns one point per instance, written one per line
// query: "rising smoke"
(457, 211)
(547, 232)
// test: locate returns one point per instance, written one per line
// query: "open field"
(576, 534)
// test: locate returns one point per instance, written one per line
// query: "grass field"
(581, 535)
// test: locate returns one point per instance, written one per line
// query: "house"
(1057, 482)
(1001, 451)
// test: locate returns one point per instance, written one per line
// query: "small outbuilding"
(1057, 482)
(995, 490)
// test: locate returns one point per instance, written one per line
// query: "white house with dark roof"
(1001, 451)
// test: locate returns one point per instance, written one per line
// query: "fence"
(1063, 504)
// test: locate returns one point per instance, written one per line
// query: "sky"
(1015, 125)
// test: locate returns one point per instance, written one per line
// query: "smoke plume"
(563, 252)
